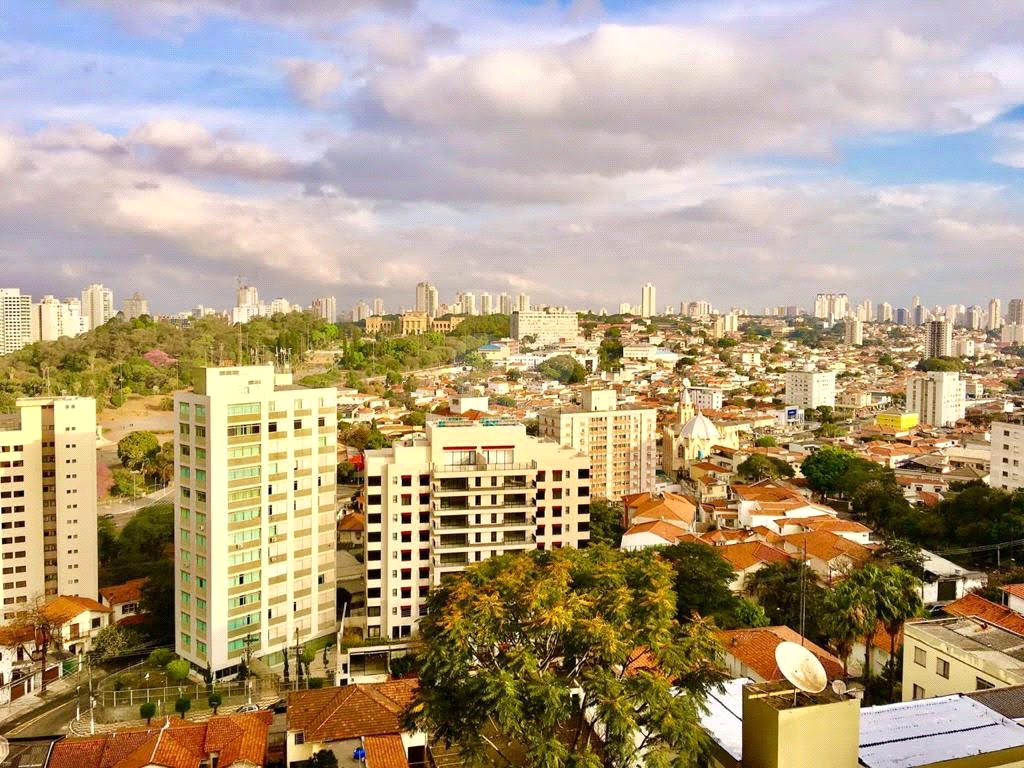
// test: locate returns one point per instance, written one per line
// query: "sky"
(751, 153)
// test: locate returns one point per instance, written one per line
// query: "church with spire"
(691, 439)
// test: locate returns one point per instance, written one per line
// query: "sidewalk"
(84, 726)
(34, 700)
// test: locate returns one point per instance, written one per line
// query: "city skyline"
(354, 148)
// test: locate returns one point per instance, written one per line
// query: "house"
(353, 720)
(75, 620)
(123, 600)
(986, 610)
(19, 673)
(944, 580)
(1013, 597)
(751, 652)
(765, 502)
(351, 529)
(828, 554)
(658, 520)
(848, 529)
(749, 557)
(880, 645)
(227, 741)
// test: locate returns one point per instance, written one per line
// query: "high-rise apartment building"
(361, 311)
(548, 326)
(326, 308)
(136, 305)
(15, 320)
(854, 331)
(973, 317)
(486, 307)
(247, 296)
(811, 388)
(523, 302)
(505, 304)
(378, 306)
(470, 491)
(831, 306)
(884, 314)
(97, 305)
(1015, 314)
(995, 315)
(1007, 468)
(467, 301)
(622, 444)
(648, 307)
(938, 398)
(48, 501)
(938, 340)
(426, 299)
(53, 319)
(255, 462)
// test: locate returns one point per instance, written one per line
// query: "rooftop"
(987, 642)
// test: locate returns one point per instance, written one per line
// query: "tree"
(564, 368)
(606, 522)
(137, 449)
(147, 710)
(156, 594)
(825, 469)
(701, 581)
(758, 467)
(527, 643)
(177, 670)
(766, 441)
(106, 539)
(215, 700)
(113, 641)
(897, 595)
(183, 705)
(161, 657)
(847, 615)
(324, 758)
(777, 586)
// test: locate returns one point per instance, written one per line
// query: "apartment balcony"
(455, 521)
(446, 470)
(451, 560)
(453, 541)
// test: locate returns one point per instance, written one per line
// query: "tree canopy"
(759, 467)
(521, 646)
(564, 368)
(606, 522)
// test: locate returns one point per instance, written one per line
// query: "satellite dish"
(800, 667)
(5, 749)
(839, 687)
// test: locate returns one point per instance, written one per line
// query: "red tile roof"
(755, 648)
(750, 553)
(385, 752)
(351, 711)
(66, 607)
(993, 613)
(1017, 590)
(129, 592)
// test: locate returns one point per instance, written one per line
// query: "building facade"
(97, 305)
(48, 501)
(938, 398)
(255, 462)
(854, 331)
(648, 307)
(811, 388)
(15, 320)
(136, 305)
(1007, 467)
(326, 308)
(53, 319)
(938, 341)
(622, 444)
(470, 491)
(549, 326)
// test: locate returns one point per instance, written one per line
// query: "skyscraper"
(1015, 314)
(467, 301)
(53, 319)
(378, 306)
(831, 306)
(523, 302)
(97, 305)
(326, 308)
(938, 398)
(485, 303)
(885, 312)
(995, 315)
(247, 296)
(648, 307)
(938, 339)
(255, 459)
(972, 318)
(15, 320)
(854, 331)
(505, 305)
(135, 306)
(361, 311)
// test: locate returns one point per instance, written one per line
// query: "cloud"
(275, 11)
(312, 82)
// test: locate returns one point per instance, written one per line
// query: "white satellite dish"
(800, 667)
(839, 687)
(5, 749)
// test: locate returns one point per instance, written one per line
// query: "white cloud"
(312, 82)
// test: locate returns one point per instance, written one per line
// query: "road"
(122, 511)
(48, 719)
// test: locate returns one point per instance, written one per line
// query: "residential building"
(831, 306)
(255, 462)
(48, 500)
(247, 296)
(124, 601)
(938, 398)
(648, 307)
(1015, 314)
(505, 305)
(547, 326)
(53, 319)
(326, 308)
(486, 305)
(854, 331)
(135, 306)
(280, 306)
(938, 340)
(361, 311)
(378, 306)
(959, 655)
(622, 443)
(1007, 465)
(75, 620)
(466, 303)
(15, 320)
(469, 491)
(751, 652)
(995, 317)
(885, 312)
(811, 388)
(706, 398)
(1011, 334)
(97, 305)
(523, 302)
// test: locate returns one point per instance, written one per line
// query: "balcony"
(481, 466)
(453, 542)
(459, 521)
(451, 560)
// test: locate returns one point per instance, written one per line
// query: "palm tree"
(848, 615)
(897, 598)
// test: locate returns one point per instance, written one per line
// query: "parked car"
(248, 708)
(279, 707)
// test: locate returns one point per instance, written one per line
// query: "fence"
(236, 689)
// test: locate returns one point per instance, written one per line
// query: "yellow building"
(896, 422)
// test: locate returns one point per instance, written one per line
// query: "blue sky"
(750, 153)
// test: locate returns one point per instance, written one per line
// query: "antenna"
(839, 687)
(800, 667)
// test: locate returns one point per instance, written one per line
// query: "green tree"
(177, 670)
(606, 522)
(215, 700)
(776, 587)
(701, 581)
(323, 758)
(897, 595)
(564, 368)
(759, 467)
(847, 615)
(825, 469)
(113, 641)
(527, 643)
(106, 539)
(182, 706)
(137, 449)
(156, 594)
(766, 441)
(147, 710)
(161, 657)
(940, 364)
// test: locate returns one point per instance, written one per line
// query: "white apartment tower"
(361, 311)
(486, 306)
(378, 306)
(854, 331)
(548, 326)
(97, 305)
(470, 491)
(648, 308)
(885, 312)
(938, 398)
(1015, 313)
(622, 444)
(1007, 469)
(53, 319)
(15, 320)
(467, 301)
(995, 315)
(135, 306)
(505, 305)
(48, 500)
(255, 462)
(811, 388)
(326, 308)
(938, 341)
(523, 302)
(831, 306)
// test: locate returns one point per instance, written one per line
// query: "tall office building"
(523, 302)
(622, 444)
(48, 500)
(885, 312)
(1015, 314)
(255, 462)
(995, 315)
(811, 388)
(648, 307)
(470, 491)
(938, 398)
(326, 308)
(505, 305)
(938, 341)
(97, 305)
(854, 331)
(15, 320)
(486, 307)
(1007, 467)
(134, 306)
(53, 319)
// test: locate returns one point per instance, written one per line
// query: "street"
(121, 511)
(50, 718)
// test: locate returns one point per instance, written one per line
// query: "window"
(981, 684)
(918, 691)
(300, 736)
(920, 657)
(942, 668)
